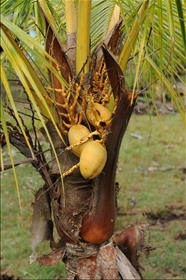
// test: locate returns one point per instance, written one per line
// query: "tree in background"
(72, 72)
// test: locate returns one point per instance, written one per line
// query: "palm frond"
(181, 15)
(27, 76)
(35, 89)
(101, 14)
(176, 98)
(160, 44)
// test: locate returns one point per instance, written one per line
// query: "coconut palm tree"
(70, 58)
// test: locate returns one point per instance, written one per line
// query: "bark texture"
(98, 262)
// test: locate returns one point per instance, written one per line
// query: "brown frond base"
(52, 258)
(131, 241)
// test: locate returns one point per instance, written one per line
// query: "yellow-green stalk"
(71, 29)
(71, 18)
(44, 7)
(133, 35)
(83, 36)
(114, 18)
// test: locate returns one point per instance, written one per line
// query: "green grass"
(163, 192)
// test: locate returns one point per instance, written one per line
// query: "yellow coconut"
(92, 159)
(78, 136)
(97, 113)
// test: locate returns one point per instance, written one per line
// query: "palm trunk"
(84, 211)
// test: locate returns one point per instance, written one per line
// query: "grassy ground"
(152, 180)
(151, 175)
